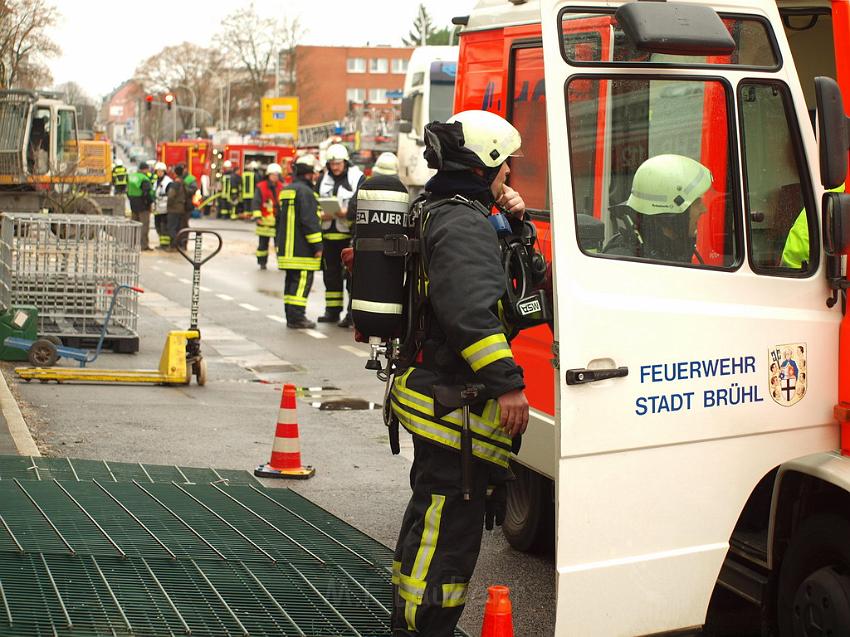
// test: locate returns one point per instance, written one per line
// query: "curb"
(18, 429)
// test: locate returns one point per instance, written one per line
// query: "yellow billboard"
(279, 116)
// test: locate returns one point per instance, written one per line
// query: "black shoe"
(263, 266)
(345, 322)
(329, 317)
(301, 324)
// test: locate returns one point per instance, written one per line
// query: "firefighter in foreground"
(299, 241)
(464, 343)
(266, 208)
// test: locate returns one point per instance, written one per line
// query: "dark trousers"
(177, 221)
(263, 249)
(438, 543)
(160, 222)
(296, 287)
(334, 274)
(143, 216)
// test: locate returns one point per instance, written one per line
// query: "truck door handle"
(583, 376)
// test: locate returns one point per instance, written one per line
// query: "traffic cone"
(286, 450)
(498, 618)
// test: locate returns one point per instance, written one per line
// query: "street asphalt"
(230, 422)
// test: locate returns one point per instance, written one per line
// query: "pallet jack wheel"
(199, 368)
(53, 339)
(43, 353)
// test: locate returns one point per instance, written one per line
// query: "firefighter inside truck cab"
(666, 196)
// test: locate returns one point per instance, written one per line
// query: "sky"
(103, 41)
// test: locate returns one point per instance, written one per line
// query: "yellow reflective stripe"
(410, 589)
(294, 300)
(396, 572)
(298, 263)
(454, 595)
(262, 253)
(302, 283)
(336, 236)
(486, 351)
(383, 195)
(333, 295)
(315, 237)
(410, 615)
(377, 308)
(430, 535)
(256, 214)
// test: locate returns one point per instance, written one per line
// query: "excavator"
(44, 165)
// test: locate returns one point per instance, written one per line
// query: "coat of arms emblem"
(788, 373)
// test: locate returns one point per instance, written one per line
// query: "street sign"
(279, 116)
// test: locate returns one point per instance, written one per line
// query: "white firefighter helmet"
(492, 138)
(307, 159)
(273, 168)
(337, 152)
(667, 184)
(151, 163)
(118, 162)
(160, 166)
(227, 164)
(387, 164)
(253, 165)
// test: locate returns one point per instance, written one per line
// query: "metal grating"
(89, 547)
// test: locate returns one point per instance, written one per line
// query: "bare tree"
(24, 42)
(291, 32)
(76, 96)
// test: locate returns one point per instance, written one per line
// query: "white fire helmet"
(307, 159)
(118, 162)
(667, 184)
(492, 138)
(227, 164)
(160, 166)
(387, 164)
(337, 152)
(253, 165)
(273, 168)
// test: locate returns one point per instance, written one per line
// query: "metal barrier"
(66, 266)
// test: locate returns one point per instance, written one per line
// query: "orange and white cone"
(498, 615)
(286, 450)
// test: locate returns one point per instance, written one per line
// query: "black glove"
(495, 506)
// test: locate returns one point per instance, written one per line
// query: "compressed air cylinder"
(377, 294)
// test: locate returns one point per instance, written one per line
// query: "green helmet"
(668, 184)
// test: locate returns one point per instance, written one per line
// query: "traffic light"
(169, 100)
(148, 102)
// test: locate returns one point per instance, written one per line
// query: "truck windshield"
(652, 164)
(755, 45)
(66, 139)
(442, 91)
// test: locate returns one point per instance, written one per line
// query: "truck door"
(696, 350)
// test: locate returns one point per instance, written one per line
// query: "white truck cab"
(695, 388)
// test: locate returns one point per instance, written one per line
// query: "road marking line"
(277, 319)
(315, 333)
(249, 307)
(171, 274)
(224, 297)
(204, 289)
(156, 267)
(187, 281)
(355, 350)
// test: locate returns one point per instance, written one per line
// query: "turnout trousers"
(438, 543)
(296, 287)
(334, 274)
(160, 222)
(263, 249)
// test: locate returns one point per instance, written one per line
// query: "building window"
(356, 65)
(399, 65)
(356, 95)
(377, 96)
(378, 65)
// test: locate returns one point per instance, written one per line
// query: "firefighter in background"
(160, 213)
(299, 241)
(228, 193)
(250, 177)
(140, 193)
(341, 180)
(119, 177)
(266, 209)
(463, 342)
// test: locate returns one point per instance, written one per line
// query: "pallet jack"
(181, 356)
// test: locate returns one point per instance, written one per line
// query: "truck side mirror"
(407, 106)
(405, 126)
(833, 131)
(836, 222)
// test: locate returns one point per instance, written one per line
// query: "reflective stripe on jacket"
(299, 236)
(266, 207)
(248, 179)
(343, 190)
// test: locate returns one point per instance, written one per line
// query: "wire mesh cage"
(67, 266)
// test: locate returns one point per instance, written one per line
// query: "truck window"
(756, 46)
(38, 146)
(661, 156)
(66, 139)
(810, 36)
(442, 91)
(527, 112)
(777, 186)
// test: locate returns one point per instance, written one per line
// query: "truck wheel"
(813, 595)
(43, 353)
(529, 524)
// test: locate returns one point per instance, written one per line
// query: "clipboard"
(329, 205)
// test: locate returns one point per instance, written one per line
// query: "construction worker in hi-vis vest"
(299, 241)
(266, 209)
(463, 347)
(119, 177)
(341, 180)
(246, 189)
